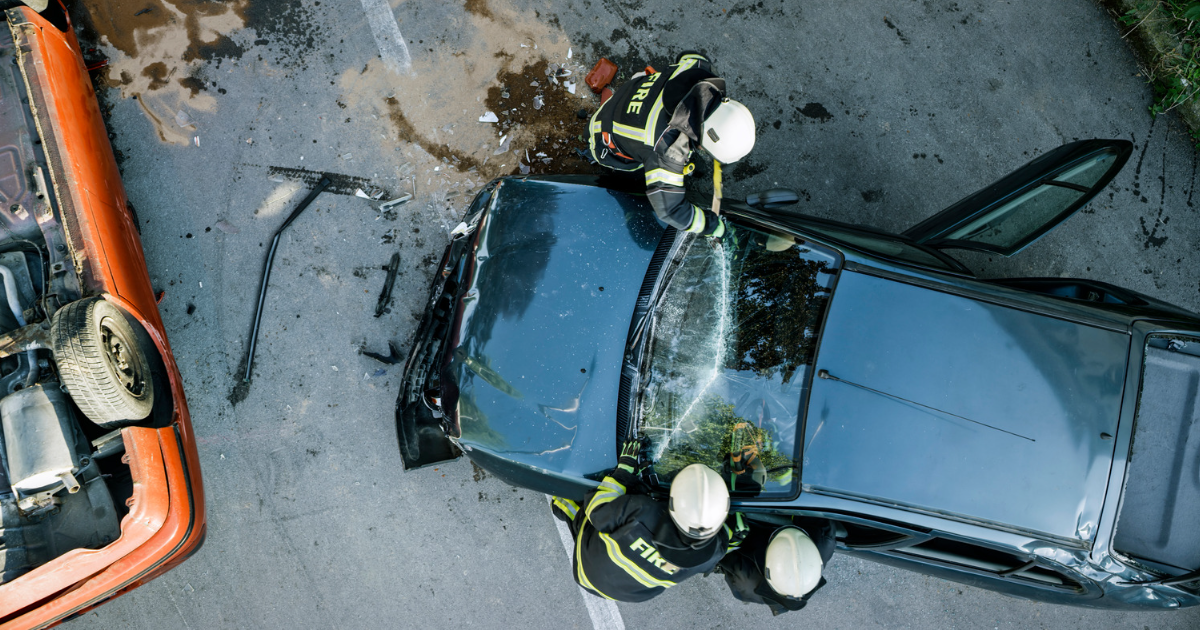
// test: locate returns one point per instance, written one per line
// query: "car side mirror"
(773, 198)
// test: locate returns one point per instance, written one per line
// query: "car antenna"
(826, 375)
(266, 278)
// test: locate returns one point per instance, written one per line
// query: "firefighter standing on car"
(630, 547)
(655, 121)
(780, 567)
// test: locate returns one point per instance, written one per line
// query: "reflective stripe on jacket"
(651, 123)
(628, 549)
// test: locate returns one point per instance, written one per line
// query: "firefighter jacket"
(627, 547)
(743, 568)
(652, 123)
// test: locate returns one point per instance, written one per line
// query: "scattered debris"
(504, 144)
(146, 10)
(489, 117)
(570, 86)
(359, 193)
(227, 227)
(334, 368)
(183, 120)
(389, 283)
(379, 372)
(393, 358)
(568, 52)
(538, 101)
(196, 141)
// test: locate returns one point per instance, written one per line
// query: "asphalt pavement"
(878, 113)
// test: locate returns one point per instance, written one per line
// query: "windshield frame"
(637, 357)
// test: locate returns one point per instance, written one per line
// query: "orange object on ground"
(90, 224)
(601, 75)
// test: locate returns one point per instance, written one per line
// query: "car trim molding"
(1014, 300)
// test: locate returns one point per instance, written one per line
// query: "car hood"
(543, 325)
(1056, 382)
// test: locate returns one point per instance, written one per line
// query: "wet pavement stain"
(555, 131)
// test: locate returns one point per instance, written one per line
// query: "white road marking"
(387, 35)
(603, 612)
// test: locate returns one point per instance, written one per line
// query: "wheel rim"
(123, 358)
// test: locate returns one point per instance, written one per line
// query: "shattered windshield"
(732, 342)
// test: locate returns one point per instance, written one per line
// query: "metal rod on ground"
(266, 279)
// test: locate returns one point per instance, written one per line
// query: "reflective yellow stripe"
(568, 506)
(663, 175)
(634, 571)
(697, 225)
(652, 120)
(626, 131)
(609, 490)
(687, 62)
(596, 126)
(582, 577)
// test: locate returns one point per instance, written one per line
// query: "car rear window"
(732, 341)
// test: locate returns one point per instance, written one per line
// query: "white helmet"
(728, 133)
(793, 563)
(699, 501)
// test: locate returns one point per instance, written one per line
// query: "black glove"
(631, 452)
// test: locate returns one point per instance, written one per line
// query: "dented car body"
(1030, 435)
(100, 481)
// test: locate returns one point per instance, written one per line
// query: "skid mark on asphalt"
(603, 612)
(387, 35)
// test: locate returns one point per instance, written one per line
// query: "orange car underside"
(86, 204)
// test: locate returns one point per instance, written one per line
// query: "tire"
(101, 363)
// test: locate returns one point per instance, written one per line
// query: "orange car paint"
(166, 522)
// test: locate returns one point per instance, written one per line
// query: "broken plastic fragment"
(278, 179)
(182, 119)
(358, 192)
(395, 202)
(347, 156)
(568, 52)
(460, 229)
(533, 84)
(197, 141)
(538, 102)
(524, 169)
(379, 372)
(570, 86)
(489, 117)
(539, 153)
(504, 142)
(227, 227)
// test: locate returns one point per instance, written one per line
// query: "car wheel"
(100, 362)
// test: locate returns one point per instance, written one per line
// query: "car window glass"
(955, 552)
(856, 535)
(888, 248)
(1088, 172)
(1013, 221)
(731, 345)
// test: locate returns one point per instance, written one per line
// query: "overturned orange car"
(99, 478)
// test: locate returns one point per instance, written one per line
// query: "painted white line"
(603, 612)
(387, 35)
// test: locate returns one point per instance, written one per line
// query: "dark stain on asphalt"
(899, 33)
(478, 473)
(195, 84)
(747, 169)
(872, 196)
(406, 132)
(157, 73)
(480, 8)
(817, 111)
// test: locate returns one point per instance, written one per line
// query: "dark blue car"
(1028, 435)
